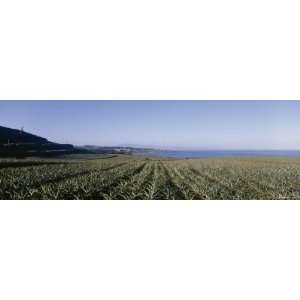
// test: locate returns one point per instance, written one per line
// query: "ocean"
(224, 153)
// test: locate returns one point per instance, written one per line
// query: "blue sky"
(169, 124)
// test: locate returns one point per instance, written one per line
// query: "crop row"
(129, 178)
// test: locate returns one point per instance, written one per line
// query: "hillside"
(18, 143)
(15, 136)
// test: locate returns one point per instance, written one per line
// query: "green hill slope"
(17, 143)
(15, 136)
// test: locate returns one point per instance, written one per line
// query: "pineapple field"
(145, 178)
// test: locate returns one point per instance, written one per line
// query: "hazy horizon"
(173, 125)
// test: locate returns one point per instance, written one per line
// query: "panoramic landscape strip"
(234, 150)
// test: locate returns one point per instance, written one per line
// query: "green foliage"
(138, 177)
